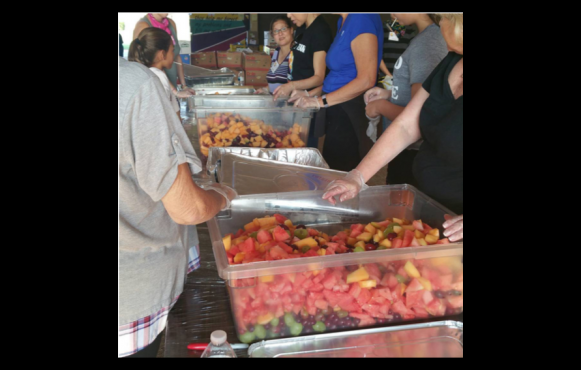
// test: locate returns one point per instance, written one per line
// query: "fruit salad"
(344, 297)
(227, 129)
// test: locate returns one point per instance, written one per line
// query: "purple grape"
(439, 294)
(251, 328)
(299, 319)
(390, 312)
(332, 327)
(301, 227)
(311, 317)
(283, 226)
(396, 317)
(308, 330)
(267, 326)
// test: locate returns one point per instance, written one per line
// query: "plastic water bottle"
(241, 78)
(218, 346)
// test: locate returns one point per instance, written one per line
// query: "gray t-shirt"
(422, 56)
(152, 143)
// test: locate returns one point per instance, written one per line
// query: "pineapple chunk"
(422, 241)
(425, 283)
(266, 221)
(398, 221)
(397, 229)
(411, 270)
(365, 237)
(239, 257)
(360, 244)
(357, 275)
(386, 243)
(227, 240)
(378, 236)
(250, 226)
(368, 284)
(307, 241)
(435, 232)
(322, 252)
(265, 319)
(266, 279)
(288, 223)
(431, 239)
(370, 229)
(351, 241)
(419, 235)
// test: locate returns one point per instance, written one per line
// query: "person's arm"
(387, 108)
(178, 58)
(187, 204)
(383, 68)
(403, 131)
(363, 46)
(138, 28)
(319, 65)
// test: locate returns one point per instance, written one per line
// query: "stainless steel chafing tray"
(228, 90)
(235, 101)
(199, 77)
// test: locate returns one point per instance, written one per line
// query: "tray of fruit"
(442, 339)
(235, 101)
(295, 265)
(285, 127)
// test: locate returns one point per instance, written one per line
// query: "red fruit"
(263, 236)
(280, 218)
(408, 238)
(280, 234)
(370, 247)
(391, 236)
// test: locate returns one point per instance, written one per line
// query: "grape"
(391, 236)
(456, 292)
(308, 330)
(342, 314)
(319, 326)
(333, 327)
(251, 328)
(370, 247)
(396, 317)
(319, 316)
(247, 337)
(267, 326)
(260, 331)
(283, 226)
(301, 227)
(296, 328)
(439, 294)
(304, 313)
(289, 319)
(274, 322)
(299, 319)
(390, 312)
(327, 311)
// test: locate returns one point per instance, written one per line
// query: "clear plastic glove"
(454, 228)
(307, 102)
(347, 188)
(226, 191)
(375, 93)
(296, 94)
(283, 90)
(372, 128)
(262, 91)
(184, 94)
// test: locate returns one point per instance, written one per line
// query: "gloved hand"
(283, 90)
(226, 191)
(185, 93)
(296, 94)
(307, 102)
(375, 93)
(262, 91)
(454, 227)
(372, 128)
(347, 188)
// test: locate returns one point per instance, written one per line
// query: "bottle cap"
(218, 337)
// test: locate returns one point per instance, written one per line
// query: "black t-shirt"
(439, 165)
(317, 37)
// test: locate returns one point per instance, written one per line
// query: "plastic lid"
(218, 337)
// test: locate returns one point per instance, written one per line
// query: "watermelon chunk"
(263, 236)
(280, 234)
(280, 218)
(365, 320)
(408, 238)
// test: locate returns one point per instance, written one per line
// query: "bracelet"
(307, 93)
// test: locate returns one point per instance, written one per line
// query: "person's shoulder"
(133, 72)
(172, 22)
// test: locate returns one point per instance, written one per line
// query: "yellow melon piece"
(307, 241)
(365, 237)
(267, 278)
(227, 240)
(239, 257)
(425, 283)
(411, 270)
(368, 284)
(357, 275)
(265, 319)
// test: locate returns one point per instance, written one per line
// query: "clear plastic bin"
(252, 127)
(441, 339)
(304, 287)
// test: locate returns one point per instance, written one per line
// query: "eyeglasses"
(276, 32)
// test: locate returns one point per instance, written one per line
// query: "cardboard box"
(256, 61)
(204, 59)
(255, 78)
(229, 59)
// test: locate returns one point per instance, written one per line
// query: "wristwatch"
(325, 104)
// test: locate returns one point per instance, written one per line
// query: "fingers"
(455, 232)
(296, 104)
(451, 220)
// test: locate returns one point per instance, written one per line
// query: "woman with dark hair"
(161, 21)
(282, 31)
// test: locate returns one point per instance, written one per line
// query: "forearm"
(398, 136)
(180, 66)
(389, 110)
(356, 87)
(318, 91)
(308, 83)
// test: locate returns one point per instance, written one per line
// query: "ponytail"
(144, 48)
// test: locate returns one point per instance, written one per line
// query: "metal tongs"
(392, 35)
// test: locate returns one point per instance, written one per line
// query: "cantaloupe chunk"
(265, 319)
(307, 241)
(267, 278)
(227, 240)
(425, 283)
(357, 275)
(411, 270)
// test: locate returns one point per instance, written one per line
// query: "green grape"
(301, 233)
(358, 249)
(296, 328)
(342, 314)
(389, 228)
(305, 248)
(319, 326)
(247, 337)
(400, 279)
(289, 319)
(253, 235)
(260, 331)
(274, 322)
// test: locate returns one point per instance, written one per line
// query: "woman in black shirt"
(435, 114)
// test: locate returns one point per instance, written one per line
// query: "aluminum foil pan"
(305, 156)
(251, 175)
(432, 339)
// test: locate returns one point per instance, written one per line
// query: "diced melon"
(288, 223)
(351, 241)
(357, 275)
(370, 229)
(398, 221)
(386, 243)
(411, 270)
(431, 239)
(360, 244)
(307, 241)
(251, 226)
(239, 257)
(378, 236)
(422, 241)
(426, 283)
(419, 235)
(376, 225)
(365, 237)
(322, 252)
(266, 279)
(227, 242)
(368, 284)
(435, 232)
(408, 227)
(397, 229)
(265, 319)
(267, 221)
(316, 272)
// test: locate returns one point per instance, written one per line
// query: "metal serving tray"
(303, 156)
(200, 77)
(433, 339)
(230, 90)
(235, 101)
(251, 175)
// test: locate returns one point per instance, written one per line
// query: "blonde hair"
(457, 21)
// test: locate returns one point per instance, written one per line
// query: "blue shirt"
(340, 60)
